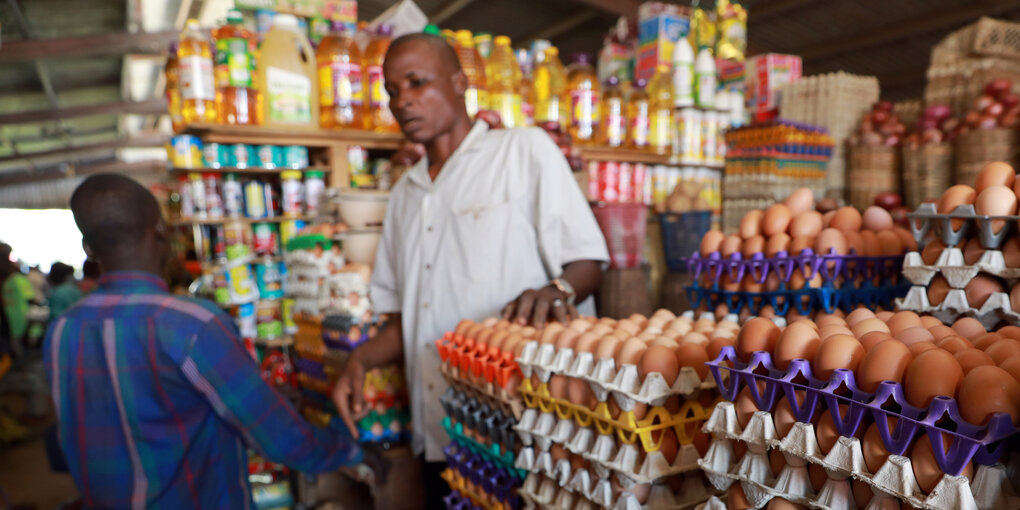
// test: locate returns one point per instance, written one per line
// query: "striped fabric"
(157, 399)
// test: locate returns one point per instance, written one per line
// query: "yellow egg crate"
(468, 489)
(685, 422)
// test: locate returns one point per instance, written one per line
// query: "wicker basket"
(977, 148)
(624, 292)
(927, 172)
(873, 170)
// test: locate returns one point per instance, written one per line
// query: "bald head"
(119, 220)
(432, 43)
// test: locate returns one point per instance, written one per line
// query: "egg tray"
(483, 420)
(606, 379)
(480, 361)
(990, 489)
(336, 329)
(626, 426)
(578, 490)
(481, 475)
(509, 403)
(957, 273)
(982, 444)
(926, 219)
(472, 496)
(829, 266)
(605, 453)
(804, 301)
(995, 310)
(456, 501)
(493, 451)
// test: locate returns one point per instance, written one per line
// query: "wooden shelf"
(245, 171)
(275, 135)
(625, 155)
(248, 221)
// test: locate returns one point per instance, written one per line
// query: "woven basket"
(873, 170)
(927, 172)
(977, 148)
(624, 292)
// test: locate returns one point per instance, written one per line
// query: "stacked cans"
(619, 182)
(187, 151)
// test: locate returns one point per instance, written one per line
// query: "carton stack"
(660, 26)
(969, 58)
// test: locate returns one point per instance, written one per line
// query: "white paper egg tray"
(582, 492)
(956, 272)
(990, 490)
(608, 455)
(994, 310)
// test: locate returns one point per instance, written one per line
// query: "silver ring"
(557, 302)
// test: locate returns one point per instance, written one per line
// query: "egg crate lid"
(807, 262)
(982, 444)
(995, 310)
(925, 218)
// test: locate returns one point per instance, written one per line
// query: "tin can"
(660, 185)
(609, 183)
(242, 288)
(690, 147)
(218, 242)
(268, 320)
(593, 181)
(270, 156)
(244, 156)
(292, 198)
(217, 155)
(233, 197)
(295, 157)
(709, 129)
(637, 184)
(221, 288)
(265, 239)
(254, 199)
(626, 193)
(361, 173)
(198, 196)
(237, 240)
(213, 199)
(269, 279)
(186, 151)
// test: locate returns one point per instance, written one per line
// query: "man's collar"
(419, 173)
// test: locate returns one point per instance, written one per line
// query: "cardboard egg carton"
(845, 460)
(958, 273)
(995, 309)
(584, 492)
(926, 219)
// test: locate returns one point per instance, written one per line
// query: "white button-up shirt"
(504, 215)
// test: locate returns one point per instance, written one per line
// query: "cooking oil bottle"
(660, 94)
(237, 98)
(380, 118)
(477, 95)
(172, 71)
(503, 77)
(639, 114)
(525, 88)
(287, 76)
(583, 87)
(341, 95)
(613, 131)
(550, 84)
(198, 92)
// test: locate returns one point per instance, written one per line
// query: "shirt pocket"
(480, 235)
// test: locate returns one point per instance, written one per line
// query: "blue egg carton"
(804, 301)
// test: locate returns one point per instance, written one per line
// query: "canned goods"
(218, 242)
(609, 182)
(593, 181)
(293, 193)
(660, 185)
(213, 199)
(295, 157)
(221, 288)
(239, 282)
(198, 196)
(268, 320)
(185, 151)
(357, 160)
(625, 182)
(270, 156)
(254, 199)
(244, 156)
(236, 240)
(709, 129)
(217, 155)
(184, 191)
(315, 191)
(233, 199)
(287, 311)
(265, 239)
(269, 279)
(638, 183)
(690, 127)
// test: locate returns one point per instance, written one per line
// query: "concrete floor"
(26, 479)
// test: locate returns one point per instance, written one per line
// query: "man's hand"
(348, 394)
(540, 306)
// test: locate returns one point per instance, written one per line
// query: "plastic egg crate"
(474, 359)
(805, 301)
(457, 501)
(893, 481)
(337, 331)
(486, 482)
(393, 424)
(957, 272)
(996, 308)
(626, 426)
(487, 431)
(926, 219)
(578, 490)
(983, 444)
(510, 403)
(605, 378)
(829, 266)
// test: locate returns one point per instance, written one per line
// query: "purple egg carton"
(488, 475)
(829, 267)
(983, 444)
(456, 501)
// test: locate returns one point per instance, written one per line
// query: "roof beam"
(561, 25)
(137, 141)
(64, 171)
(150, 106)
(448, 10)
(115, 43)
(628, 8)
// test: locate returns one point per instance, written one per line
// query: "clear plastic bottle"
(476, 97)
(504, 80)
(341, 84)
(613, 131)
(287, 76)
(237, 98)
(380, 118)
(704, 79)
(639, 114)
(198, 91)
(172, 71)
(583, 87)
(550, 84)
(660, 94)
(683, 73)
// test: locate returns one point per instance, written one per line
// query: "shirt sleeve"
(383, 289)
(218, 366)
(566, 228)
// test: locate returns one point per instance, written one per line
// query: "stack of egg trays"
(575, 491)
(489, 481)
(465, 412)
(981, 444)
(457, 501)
(481, 371)
(853, 268)
(336, 331)
(365, 424)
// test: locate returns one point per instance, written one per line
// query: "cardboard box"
(660, 26)
(765, 76)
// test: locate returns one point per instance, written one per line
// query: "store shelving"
(247, 221)
(245, 171)
(617, 154)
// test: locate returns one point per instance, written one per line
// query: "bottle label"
(508, 108)
(288, 96)
(197, 78)
(233, 201)
(616, 123)
(548, 110)
(340, 85)
(640, 126)
(527, 113)
(706, 89)
(661, 134)
(475, 100)
(584, 104)
(683, 85)
(238, 60)
(378, 98)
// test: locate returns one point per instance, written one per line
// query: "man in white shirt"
(488, 217)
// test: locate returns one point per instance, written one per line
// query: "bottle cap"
(431, 29)
(581, 58)
(612, 81)
(234, 17)
(502, 40)
(641, 83)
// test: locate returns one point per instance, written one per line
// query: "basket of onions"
(874, 155)
(928, 155)
(988, 131)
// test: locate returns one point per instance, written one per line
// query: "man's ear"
(460, 83)
(88, 251)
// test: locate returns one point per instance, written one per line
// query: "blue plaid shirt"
(157, 400)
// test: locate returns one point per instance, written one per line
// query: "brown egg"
(550, 332)
(753, 245)
(926, 468)
(969, 328)
(987, 340)
(862, 493)
(608, 347)
(807, 223)
(972, 358)
(930, 253)
(972, 251)
(839, 351)
(883, 315)
(981, 288)
(889, 243)
(735, 499)
(937, 290)
(1014, 298)
(817, 475)
(668, 444)
(919, 385)
(802, 199)
(799, 244)
(567, 338)
(909, 243)
(1011, 252)
(659, 359)
(903, 320)
(869, 241)
(846, 218)
(830, 240)
(918, 348)
(777, 243)
(631, 352)
(858, 315)
(873, 448)
(825, 430)
(777, 218)
(750, 224)
(955, 196)
(558, 386)
(828, 319)
(695, 338)
(777, 461)
(854, 242)
(758, 334)
(744, 406)
(784, 504)
(953, 344)
(872, 339)
(1004, 350)
(1012, 366)
(714, 347)
(827, 218)
(887, 361)
(694, 356)
(798, 341)
(833, 329)
(869, 325)
(711, 242)
(876, 219)
(915, 335)
(1009, 331)
(996, 173)
(940, 331)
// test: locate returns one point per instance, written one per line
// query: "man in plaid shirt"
(156, 397)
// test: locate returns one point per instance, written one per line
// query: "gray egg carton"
(956, 272)
(893, 481)
(926, 219)
(582, 492)
(995, 310)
